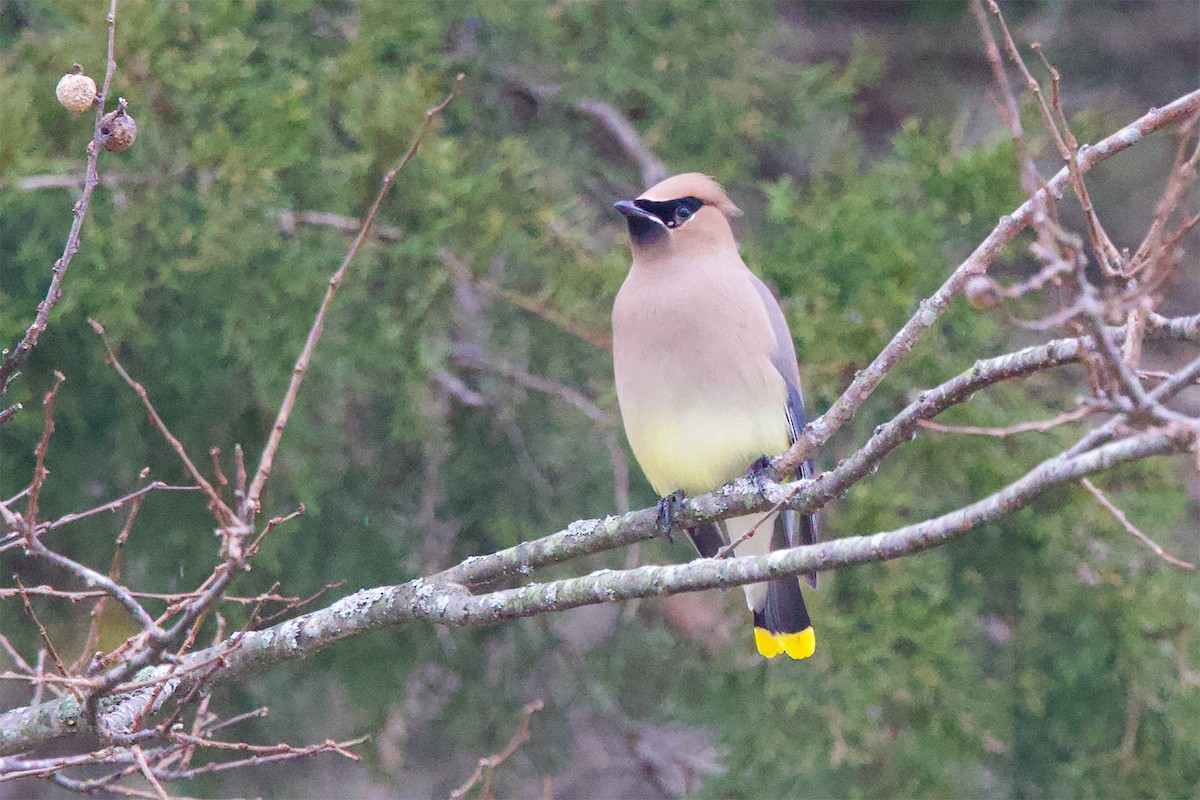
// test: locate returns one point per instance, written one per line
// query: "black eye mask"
(673, 213)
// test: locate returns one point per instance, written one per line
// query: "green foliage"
(1006, 664)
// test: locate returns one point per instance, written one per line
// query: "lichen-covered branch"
(436, 601)
(932, 308)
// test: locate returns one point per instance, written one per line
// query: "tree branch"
(12, 360)
(250, 505)
(435, 601)
(866, 381)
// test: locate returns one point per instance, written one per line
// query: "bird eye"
(682, 215)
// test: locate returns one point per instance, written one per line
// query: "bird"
(708, 383)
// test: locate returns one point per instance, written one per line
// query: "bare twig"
(271, 525)
(250, 505)
(327, 219)
(1131, 528)
(39, 470)
(487, 766)
(41, 629)
(10, 361)
(1106, 253)
(264, 755)
(649, 165)
(1040, 426)
(40, 687)
(140, 757)
(223, 512)
(1010, 111)
(215, 452)
(93, 578)
(12, 539)
(114, 571)
(113, 505)
(20, 662)
(865, 382)
(541, 308)
(1160, 394)
(1123, 376)
(728, 549)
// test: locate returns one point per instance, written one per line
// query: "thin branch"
(931, 309)
(10, 361)
(1131, 528)
(651, 168)
(40, 473)
(140, 757)
(12, 769)
(539, 307)
(176, 597)
(40, 686)
(223, 512)
(1041, 426)
(41, 629)
(1124, 377)
(250, 505)
(487, 766)
(327, 219)
(1159, 394)
(93, 578)
(113, 505)
(215, 452)
(1106, 252)
(21, 663)
(1010, 111)
(1068, 147)
(269, 755)
(451, 604)
(271, 525)
(13, 537)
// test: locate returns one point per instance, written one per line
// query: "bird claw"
(761, 473)
(668, 509)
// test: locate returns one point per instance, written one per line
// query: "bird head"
(683, 214)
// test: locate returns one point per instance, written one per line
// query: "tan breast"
(699, 396)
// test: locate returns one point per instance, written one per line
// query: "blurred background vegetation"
(1046, 656)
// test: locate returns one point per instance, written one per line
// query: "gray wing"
(798, 529)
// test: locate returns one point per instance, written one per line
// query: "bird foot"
(761, 472)
(668, 509)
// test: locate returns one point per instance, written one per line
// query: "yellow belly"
(698, 451)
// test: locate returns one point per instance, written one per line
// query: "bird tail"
(782, 624)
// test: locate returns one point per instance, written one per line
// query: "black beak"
(627, 208)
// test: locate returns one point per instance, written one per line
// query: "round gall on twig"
(76, 92)
(118, 129)
(982, 292)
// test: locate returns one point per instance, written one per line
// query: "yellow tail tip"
(797, 645)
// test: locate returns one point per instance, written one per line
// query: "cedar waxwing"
(708, 383)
